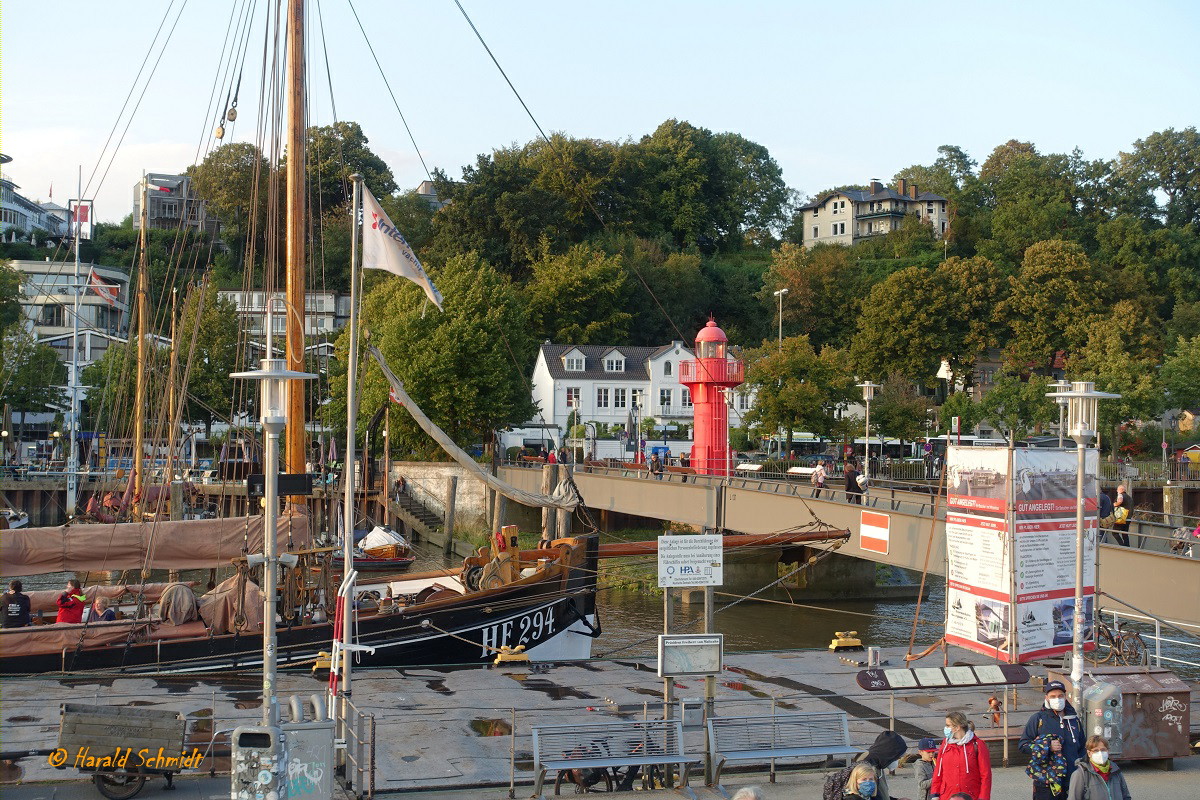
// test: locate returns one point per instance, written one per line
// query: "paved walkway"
(1145, 782)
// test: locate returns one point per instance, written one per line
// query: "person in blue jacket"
(1057, 716)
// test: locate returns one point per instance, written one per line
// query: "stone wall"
(427, 480)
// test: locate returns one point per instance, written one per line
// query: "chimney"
(912, 191)
(903, 187)
(876, 186)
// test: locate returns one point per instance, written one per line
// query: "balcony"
(880, 212)
(674, 411)
(722, 373)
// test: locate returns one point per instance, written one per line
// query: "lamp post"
(868, 390)
(4, 448)
(273, 380)
(1061, 386)
(1082, 402)
(780, 293)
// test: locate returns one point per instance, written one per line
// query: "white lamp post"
(868, 390)
(273, 380)
(4, 447)
(780, 293)
(1082, 403)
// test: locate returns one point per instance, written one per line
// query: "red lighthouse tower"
(706, 376)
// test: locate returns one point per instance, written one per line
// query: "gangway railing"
(1180, 647)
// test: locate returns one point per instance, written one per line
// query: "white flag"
(385, 248)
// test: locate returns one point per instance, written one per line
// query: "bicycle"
(1116, 646)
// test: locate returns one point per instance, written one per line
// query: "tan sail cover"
(219, 607)
(185, 544)
(42, 639)
(47, 599)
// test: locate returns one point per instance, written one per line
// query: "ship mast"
(139, 403)
(296, 133)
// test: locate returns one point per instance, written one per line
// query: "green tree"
(797, 388)
(335, 152)
(208, 351)
(233, 179)
(902, 328)
(1016, 405)
(462, 367)
(963, 406)
(10, 295)
(1167, 162)
(1054, 295)
(1181, 375)
(826, 286)
(581, 297)
(31, 375)
(898, 410)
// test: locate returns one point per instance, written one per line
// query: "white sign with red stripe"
(874, 532)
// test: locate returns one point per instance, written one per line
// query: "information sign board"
(690, 560)
(681, 655)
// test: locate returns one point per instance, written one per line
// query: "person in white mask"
(1056, 716)
(1097, 778)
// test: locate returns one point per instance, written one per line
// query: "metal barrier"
(1157, 637)
(358, 775)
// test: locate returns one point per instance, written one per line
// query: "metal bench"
(766, 738)
(602, 745)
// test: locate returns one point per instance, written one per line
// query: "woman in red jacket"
(71, 603)
(963, 764)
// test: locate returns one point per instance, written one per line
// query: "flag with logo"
(107, 291)
(385, 248)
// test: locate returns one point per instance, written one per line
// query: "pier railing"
(1161, 637)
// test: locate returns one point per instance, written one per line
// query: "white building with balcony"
(325, 313)
(851, 215)
(603, 383)
(48, 303)
(20, 216)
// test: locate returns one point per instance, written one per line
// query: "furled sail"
(564, 496)
(179, 544)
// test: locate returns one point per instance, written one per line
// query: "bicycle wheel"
(1107, 647)
(584, 781)
(119, 785)
(1133, 649)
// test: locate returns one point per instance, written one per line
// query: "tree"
(1181, 375)
(207, 351)
(10, 295)
(233, 179)
(963, 406)
(797, 388)
(902, 328)
(462, 367)
(1167, 162)
(582, 297)
(898, 410)
(31, 374)
(335, 152)
(1053, 296)
(1017, 406)
(113, 388)
(826, 287)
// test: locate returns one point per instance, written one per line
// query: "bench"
(601, 745)
(766, 738)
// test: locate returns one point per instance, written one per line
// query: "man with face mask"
(1058, 717)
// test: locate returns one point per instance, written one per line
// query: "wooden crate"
(105, 728)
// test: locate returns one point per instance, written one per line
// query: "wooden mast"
(296, 133)
(139, 402)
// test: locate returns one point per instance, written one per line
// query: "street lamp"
(273, 380)
(868, 393)
(1082, 418)
(780, 293)
(1061, 386)
(4, 447)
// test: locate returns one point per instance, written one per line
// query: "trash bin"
(1155, 714)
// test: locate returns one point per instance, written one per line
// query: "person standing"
(1057, 716)
(71, 603)
(656, 467)
(819, 476)
(854, 491)
(16, 607)
(1097, 778)
(924, 767)
(963, 763)
(1122, 507)
(1047, 768)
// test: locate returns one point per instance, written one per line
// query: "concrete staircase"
(425, 523)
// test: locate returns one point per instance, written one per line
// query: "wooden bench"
(601, 745)
(766, 738)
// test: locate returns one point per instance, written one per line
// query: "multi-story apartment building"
(604, 383)
(20, 216)
(849, 216)
(172, 204)
(48, 303)
(325, 313)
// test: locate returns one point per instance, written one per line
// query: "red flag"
(81, 212)
(107, 291)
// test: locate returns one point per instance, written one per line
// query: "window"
(929, 209)
(572, 397)
(687, 397)
(743, 401)
(943, 226)
(614, 365)
(664, 398)
(837, 228)
(574, 364)
(618, 398)
(816, 235)
(943, 206)
(602, 398)
(816, 212)
(52, 315)
(835, 208)
(666, 368)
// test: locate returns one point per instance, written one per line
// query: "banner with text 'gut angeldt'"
(1010, 545)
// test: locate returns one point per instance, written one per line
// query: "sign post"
(689, 561)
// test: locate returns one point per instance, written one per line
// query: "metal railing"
(358, 777)
(1149, 471)
(1176, 645)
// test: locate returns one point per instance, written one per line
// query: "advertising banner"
(1010, 545)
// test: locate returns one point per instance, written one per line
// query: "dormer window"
(574, 363)
(666, 368)
(614, 364)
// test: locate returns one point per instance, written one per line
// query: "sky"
(837, 92)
